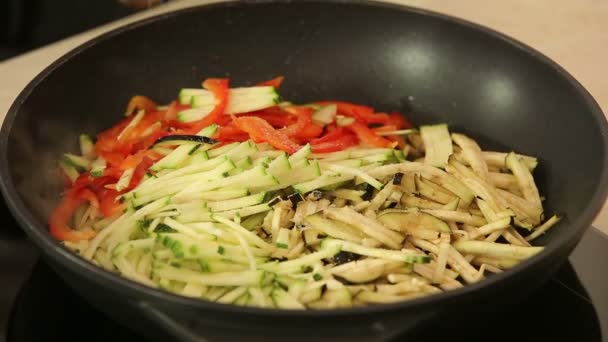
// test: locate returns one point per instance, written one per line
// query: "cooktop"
(36, 305)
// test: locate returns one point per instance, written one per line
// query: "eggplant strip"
(497, 159)
(472, 153)
(496, 250)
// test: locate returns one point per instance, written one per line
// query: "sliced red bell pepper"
(275, 116)
(337, 144)
(108, 205)
(149, 139)
(304, 119)
(219, 88)
(332, 134)
(363, 114)
(61, 216)
(311, 131)
(395, 138)
(276, 120)
(132, 160)
(399, 121)
(113, 159)
(140, 170)
(223, 120)
(88, 195)
(260, 130)
(275, 82)
(231, 133)
(107, 140)
(138, 102)
(367, 136)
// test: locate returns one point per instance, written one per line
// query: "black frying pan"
(429, 66)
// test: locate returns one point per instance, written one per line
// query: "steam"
(34, 155)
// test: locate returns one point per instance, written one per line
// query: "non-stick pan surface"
(430, 67)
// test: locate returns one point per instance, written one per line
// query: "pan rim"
(52, 248)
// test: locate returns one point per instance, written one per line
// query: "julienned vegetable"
(228, 196)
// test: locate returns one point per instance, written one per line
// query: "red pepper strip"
(107, 140)
(149, 139)
(277, 119)
(224, 120)
(275, 116)
(131, 161)
(331, 135)
(338, 144)
(58, 222)
(85, 180)
(261, 130)
(148, 160)
(363, 114)
(399, 121)
(331, 127)
(219, 88)
(310, 131)
(396, 138)
(275, 82)
(304, 118)
(234, 138)
(231, 133)
(138, 102)
(113, 159)
(385, 128)
(87, 194)
(108, 205)
(367, 136)
(380, 118)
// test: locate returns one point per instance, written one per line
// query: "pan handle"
(184, 328)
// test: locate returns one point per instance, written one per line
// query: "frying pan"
(429, 66)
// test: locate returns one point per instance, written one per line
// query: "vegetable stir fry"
(230, 195)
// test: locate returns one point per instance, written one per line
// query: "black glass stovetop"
(36, 305)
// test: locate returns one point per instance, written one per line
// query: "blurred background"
(29, 24)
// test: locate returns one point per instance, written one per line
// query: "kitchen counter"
(573, 33)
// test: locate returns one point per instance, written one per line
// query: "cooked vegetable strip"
(524, 179)
(498, 159)
(496, 250)
(403, 255)
(354, 172)
(334, 229)
(491, 227)
(441, 177)
(473, 155)
(227, 196)
(457, 216)
(480, 187)
(544, 227)
(502, 180)
(369, 226)
(437, 144)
